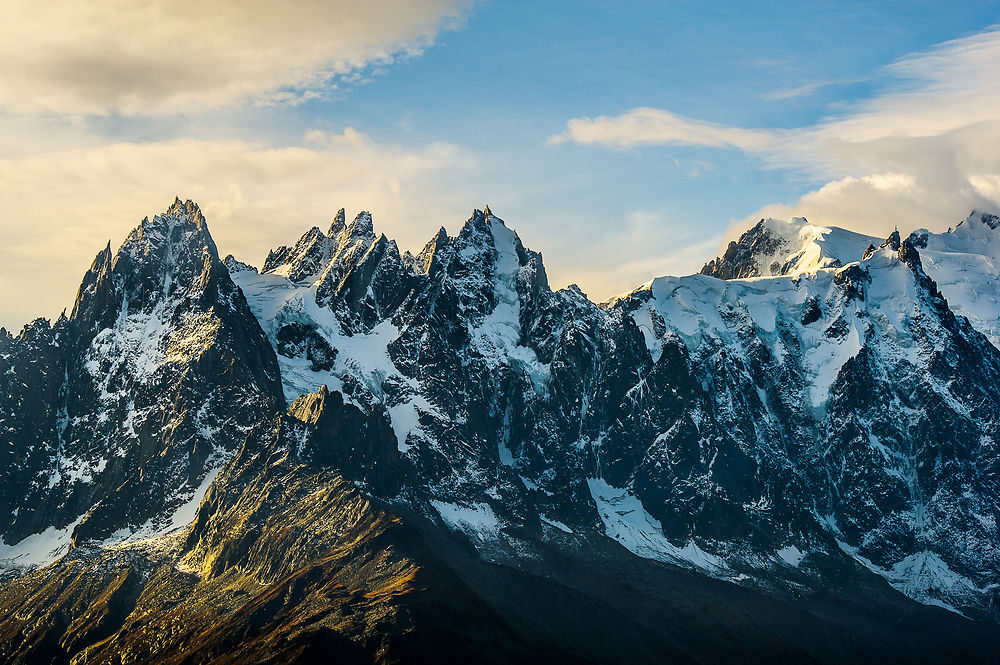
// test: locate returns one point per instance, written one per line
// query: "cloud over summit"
(926, 148)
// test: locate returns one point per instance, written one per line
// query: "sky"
(622, 140)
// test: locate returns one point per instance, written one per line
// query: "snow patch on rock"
(626, 521)
(477, 520)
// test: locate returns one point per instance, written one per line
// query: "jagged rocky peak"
(476, 226)
(315, 251)
(159, 334)
(919, 238)
(371, 287)
(892, 242)
(343, 436)
(576, 291)
(234, 265)
(493, 265)
(95, 287)
(775, 247)
(433, 255)
(102, 262)
(186, 209)
(740, 257)
(337, 225)
(307, 258)
(353, 256)
(172, 254)
(482, 277)
(484, 235)
(176, 238)
(361, 226)
(182, 228)
(308, 408)
(276, 257)
(486, 245)
(353, 239)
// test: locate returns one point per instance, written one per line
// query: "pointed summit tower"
(338, 224)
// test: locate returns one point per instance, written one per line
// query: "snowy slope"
(882, 322)
(965, 263)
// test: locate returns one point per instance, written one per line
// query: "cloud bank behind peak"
(925, 149)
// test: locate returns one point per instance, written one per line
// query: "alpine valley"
(359, 455)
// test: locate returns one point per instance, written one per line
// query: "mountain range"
(369, 455)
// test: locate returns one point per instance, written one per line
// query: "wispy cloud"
(935, 127)
(649, 126)
(936, 92)
(183, 56)
(797, 92)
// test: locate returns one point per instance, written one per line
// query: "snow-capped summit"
(965, 263)
(776, 247)
(989, 219)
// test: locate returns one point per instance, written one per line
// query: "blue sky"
(420, 111)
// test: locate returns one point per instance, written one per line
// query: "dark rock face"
(342, 436)
(306, 258)
(233, 265)
(918, 240)
(457, 426)
(287, 561)
(739, 259)
(813, 312)
(150, 382)
(853, 280)
(298, 340)
(33, 385)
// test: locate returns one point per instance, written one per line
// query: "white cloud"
(948, 87)
(648, 126)
(58, 209)
(923, 152)
(187, 56)
(798, 91)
